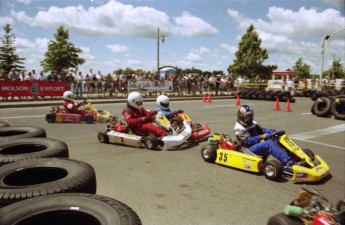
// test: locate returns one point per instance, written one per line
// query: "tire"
(282, 219)
(31, 148)
(322, 106)
(51, 118)
(309, 153)
(36, 177)
(338, 108)
(11, 133)
(151, 142)
(69, 208)
(209, 153)
(4, 124)
(89, 119)
(103, 138)
(272, 169)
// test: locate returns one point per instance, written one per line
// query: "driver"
(69, 104)
(256, 138)
(139, 119)
(163, 106)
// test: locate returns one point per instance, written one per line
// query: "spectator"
(40, 77)
(78, 79)
(217, 83)
(13, 75)
(211, 83)
(108, 85)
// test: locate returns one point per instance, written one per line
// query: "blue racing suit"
(166, 112)
(250, 137)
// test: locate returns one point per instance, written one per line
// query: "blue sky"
(203, 34)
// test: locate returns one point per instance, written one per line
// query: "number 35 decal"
(223, 157)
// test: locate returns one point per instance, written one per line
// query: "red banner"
(35, 88)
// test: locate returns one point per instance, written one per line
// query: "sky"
(204, 34)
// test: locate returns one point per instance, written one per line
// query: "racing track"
(177, 186)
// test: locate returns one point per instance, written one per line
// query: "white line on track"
(20, 117)
(320, 132)
(319, 143)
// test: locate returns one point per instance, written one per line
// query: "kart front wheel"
(282, 219)
(103, 138)
(309, 153)
(89, 119)
(272, 169)
(209, 153)
(50, 118)
(151, 142)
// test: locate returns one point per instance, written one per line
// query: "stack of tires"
(39, 184)
(329, 106)
(255, 94)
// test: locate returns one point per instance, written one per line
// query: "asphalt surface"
(176, 186)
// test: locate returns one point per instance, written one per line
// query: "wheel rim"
(101, 138)
(149, 144)
(206, 153)
(269, 170)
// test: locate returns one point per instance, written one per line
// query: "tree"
(250, 56)
(302, 68)
(61, 54)
(8, 58)
(337, 70)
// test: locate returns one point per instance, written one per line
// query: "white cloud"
(5, 20)
(193, 57)
(118, 48)
(228, 48)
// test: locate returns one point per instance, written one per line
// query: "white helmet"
(135, 99)
(163, 102)
(68, 95)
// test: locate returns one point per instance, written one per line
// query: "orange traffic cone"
(287, 107)
(276, 107)
(204, 98)
(209, 98)
(238, 101)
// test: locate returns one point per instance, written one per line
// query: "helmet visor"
(139, 103)
(248, 119)
(165, 105)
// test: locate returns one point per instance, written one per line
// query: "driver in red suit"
(69, 104)
(139, 119)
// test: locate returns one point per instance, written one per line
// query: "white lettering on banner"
(52, 89)
(150, 86)
(14, 88)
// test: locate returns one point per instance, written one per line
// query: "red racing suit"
(70, 106)
(139, 120)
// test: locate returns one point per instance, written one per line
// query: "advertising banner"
(150, 86)
(35, 88)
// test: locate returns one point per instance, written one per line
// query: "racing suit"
(70, 106)
(250, 137)
(167, 112)
(139, 120)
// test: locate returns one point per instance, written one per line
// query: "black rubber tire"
(10, 133)
(31, 148)
(36, 177)
(4, 124)
(103, 138)
(282, 219)
(209, 153)
(272, 169)
(309, 153)
(151, 142)
(89, 119)
(338, 108)
(51, 118)
(69, 208)
(322, 106)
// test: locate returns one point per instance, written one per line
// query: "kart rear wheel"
(51, 117)
(151, 142)
(272, 169)
(103, 138)
(282, 219)
(209, 153)
(89, 119)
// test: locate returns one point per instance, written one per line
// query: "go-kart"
(307, 167)
(199, 132)
(117, 132)
(310, 208)
(87, 113)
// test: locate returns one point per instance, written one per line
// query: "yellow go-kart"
(99, 115)
(307, 167)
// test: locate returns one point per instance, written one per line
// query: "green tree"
(250, 56)
(61, 53)
(8, 58)
(302, 68)
(337, 70)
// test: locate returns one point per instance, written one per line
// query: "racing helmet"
(135, 99)
(245, 115)
(68, 95)
(163, 102)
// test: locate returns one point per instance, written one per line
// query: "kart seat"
(137, 132)
(244, 149)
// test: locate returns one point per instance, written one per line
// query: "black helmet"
(245, 115)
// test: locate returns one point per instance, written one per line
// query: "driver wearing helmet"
(256, 138)
(139, 119)
(69, 103)
(163, 106)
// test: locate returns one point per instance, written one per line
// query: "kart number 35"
(223, 157)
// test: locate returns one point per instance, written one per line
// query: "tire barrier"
(36, 177)
(76, 208)
(31, 148)
(331, 106)
(4, 124)
(255, 94)
(11, 133)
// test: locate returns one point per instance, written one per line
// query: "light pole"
(325, 41)
(159, 37)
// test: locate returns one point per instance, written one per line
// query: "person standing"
(78, 79)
